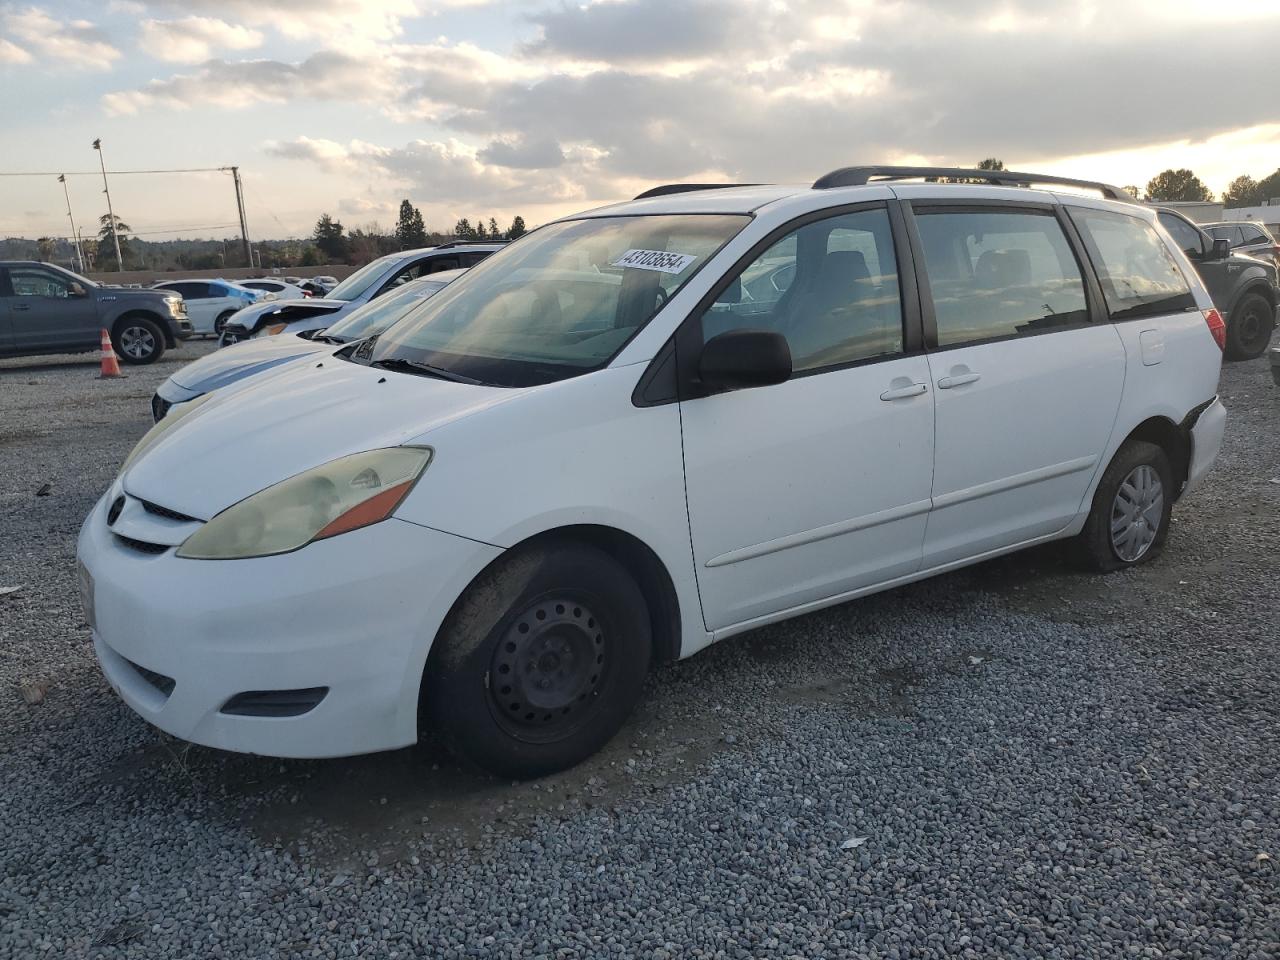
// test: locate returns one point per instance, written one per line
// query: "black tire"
(1096, 546)
(220, 323)
(1249, 329)
(568, 627)
(137, 340)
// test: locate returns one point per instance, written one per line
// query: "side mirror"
(1220, 250)
(732, 293)
(740, 359)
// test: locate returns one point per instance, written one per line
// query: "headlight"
(175, 414)
(176, 306)
(272, 330)
(334, 498)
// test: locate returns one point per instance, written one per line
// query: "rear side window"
(1252, 235)
(830, 287)
(1138, 274)
(997, 274)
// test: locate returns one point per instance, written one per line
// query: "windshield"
(376, 315)
(358, 282)
(560, 302)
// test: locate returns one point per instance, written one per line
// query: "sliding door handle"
(959, 380)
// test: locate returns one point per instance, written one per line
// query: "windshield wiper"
(327, 338)
(424, 370)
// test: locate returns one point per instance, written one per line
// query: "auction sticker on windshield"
(660, 260)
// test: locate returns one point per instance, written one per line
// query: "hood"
(128, 293)
(266, 311)
(247, 439)
(242, 360)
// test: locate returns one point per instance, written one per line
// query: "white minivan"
(640, 430)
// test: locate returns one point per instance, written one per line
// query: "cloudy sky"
(542, 107)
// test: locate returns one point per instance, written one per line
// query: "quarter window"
(1138, 275)
(829, 287)
(996, 274)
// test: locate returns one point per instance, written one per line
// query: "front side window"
(30, 282)
(996, 274)
(1184, 234)
(1138, 275)
(1252, 235)
(560, 303)
(830, 287)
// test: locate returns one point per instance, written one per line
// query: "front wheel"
(138, 340)
(540, 662)
(1249, 329)
(1129, 520)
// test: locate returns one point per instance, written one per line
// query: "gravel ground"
(1016, 760)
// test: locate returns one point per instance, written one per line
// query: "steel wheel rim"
(1251, 327)
(137, 342)
(547, 669)
(1136, 513)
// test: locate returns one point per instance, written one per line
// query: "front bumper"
(1206, 441)
(178, 639)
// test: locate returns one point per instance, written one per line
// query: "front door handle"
(958, 377)
(902, 388)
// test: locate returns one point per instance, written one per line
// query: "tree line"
(365, 243)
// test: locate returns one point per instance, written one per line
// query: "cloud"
(519, 152)
(77, 43)
(193, 39)
(324, 76)
(350, 23)
(12, 54)
(630, 30)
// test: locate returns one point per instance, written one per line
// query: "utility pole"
(75, 234)
(244, 226)
(97, 145)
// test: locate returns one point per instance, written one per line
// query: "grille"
(142, 546)
(158, 680)
(159, 407)
(274, 703)
(160, 511)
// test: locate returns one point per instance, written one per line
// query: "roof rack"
(667, 189)
(860, 176)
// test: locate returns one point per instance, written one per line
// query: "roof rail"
(667, 189)
(860, 176)
(463, 243)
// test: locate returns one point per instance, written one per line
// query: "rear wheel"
(1249, 329)
(1129, 520)
(221, 322)
(540, 662)
(138, 340)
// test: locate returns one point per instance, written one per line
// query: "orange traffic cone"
(110, 365)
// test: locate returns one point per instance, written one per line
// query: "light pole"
(75, 234)
(97, 145)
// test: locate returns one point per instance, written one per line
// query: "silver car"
(225, 367)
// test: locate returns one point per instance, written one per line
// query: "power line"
(151, 233)
(94, 173)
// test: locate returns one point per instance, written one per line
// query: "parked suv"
(46, 309)
(1247, 236)
(1244, 288)
(372, 280)
(609, 445)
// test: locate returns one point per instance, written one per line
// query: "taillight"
(1217, 327)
